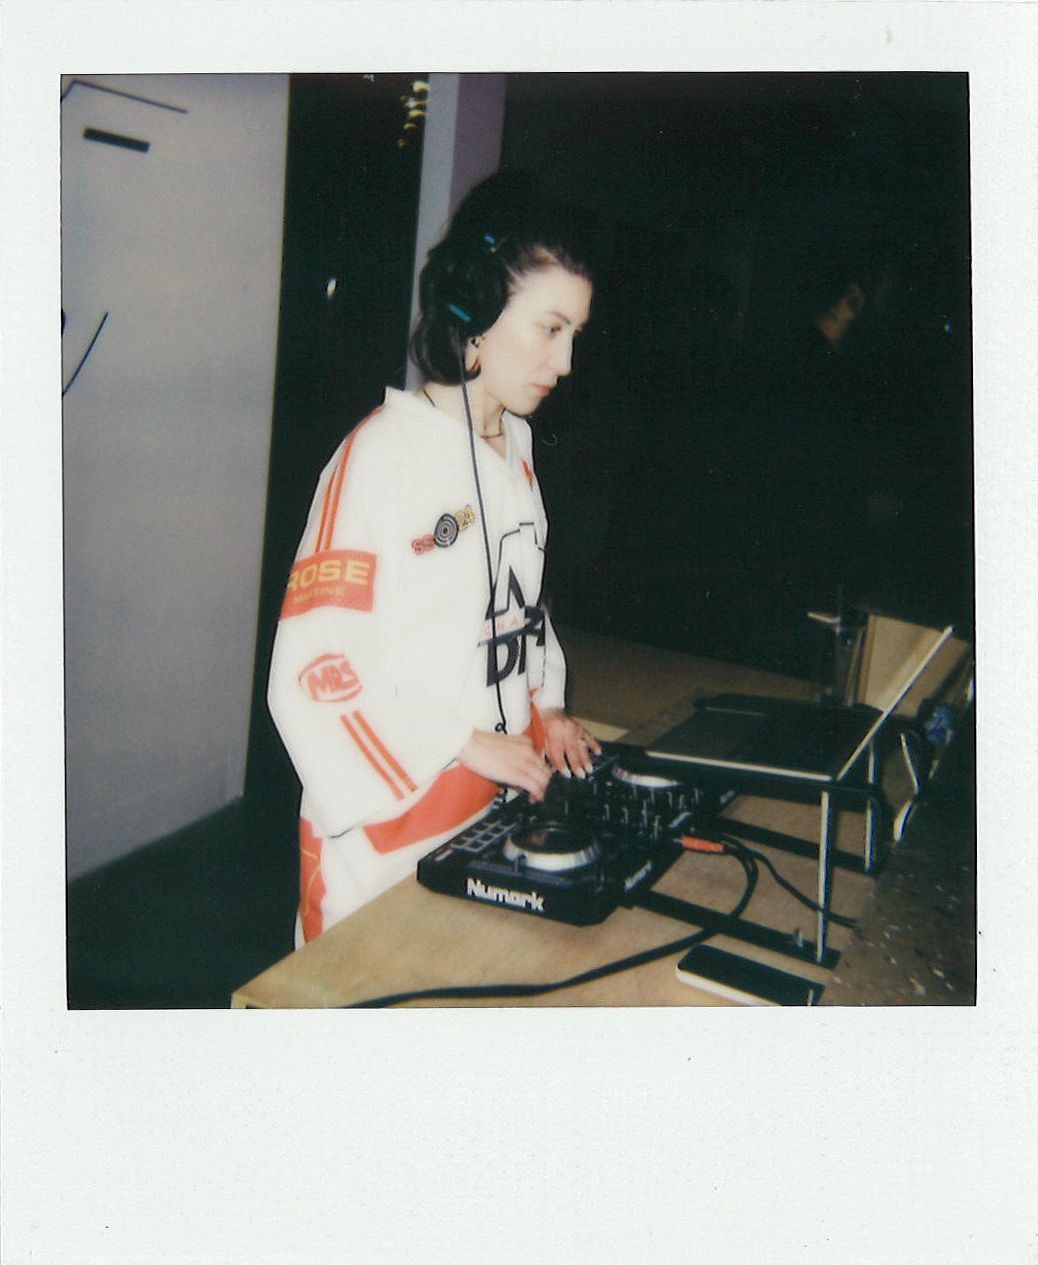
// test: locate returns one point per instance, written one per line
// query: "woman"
(415, 672)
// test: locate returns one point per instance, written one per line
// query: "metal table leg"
(872, 814)
(824, 873)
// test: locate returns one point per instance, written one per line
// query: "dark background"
(351, 211)
(716, 475)
(710, 474)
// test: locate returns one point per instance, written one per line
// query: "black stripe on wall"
(112, 138)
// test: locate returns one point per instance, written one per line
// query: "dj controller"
(591, 845)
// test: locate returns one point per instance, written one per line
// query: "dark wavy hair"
(503, 231)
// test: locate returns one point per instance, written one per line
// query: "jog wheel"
(640, 771)
(551, 845)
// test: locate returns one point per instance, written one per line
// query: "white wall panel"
(177, 250)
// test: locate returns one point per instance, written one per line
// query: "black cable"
(502, 726)
(90, 348)
(740, 847)
(585, 977)
(734, 847)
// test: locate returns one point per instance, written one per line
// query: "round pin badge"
(446, 532)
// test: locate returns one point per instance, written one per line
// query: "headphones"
(478, 288)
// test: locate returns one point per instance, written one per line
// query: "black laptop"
(817, 741)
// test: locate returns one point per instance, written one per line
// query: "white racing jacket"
(385, 658)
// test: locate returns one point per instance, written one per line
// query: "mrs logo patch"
(330, 678)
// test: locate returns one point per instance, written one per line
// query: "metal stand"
(792, 946)
(865, 796)
(840, 683)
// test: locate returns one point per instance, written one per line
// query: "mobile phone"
(743, 981)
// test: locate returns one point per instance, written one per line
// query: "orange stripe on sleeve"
(372, 758)
(311, 881)
(536, 727)
(340, 480)
(455, 796)
(384, 751)
(334, 497)
(331, 497)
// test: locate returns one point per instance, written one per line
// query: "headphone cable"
(502, 725)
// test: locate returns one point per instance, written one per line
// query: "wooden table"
(413, 939)
(410, 938)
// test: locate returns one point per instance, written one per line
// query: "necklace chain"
(496, 434)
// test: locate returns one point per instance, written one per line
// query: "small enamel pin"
(446, 531)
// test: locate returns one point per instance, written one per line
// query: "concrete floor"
(915, 943)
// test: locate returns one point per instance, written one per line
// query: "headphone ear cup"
(477, 293)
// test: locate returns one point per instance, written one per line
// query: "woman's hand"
(508, 759)
(567, 744)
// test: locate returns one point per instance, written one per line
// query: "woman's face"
(530, 345)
